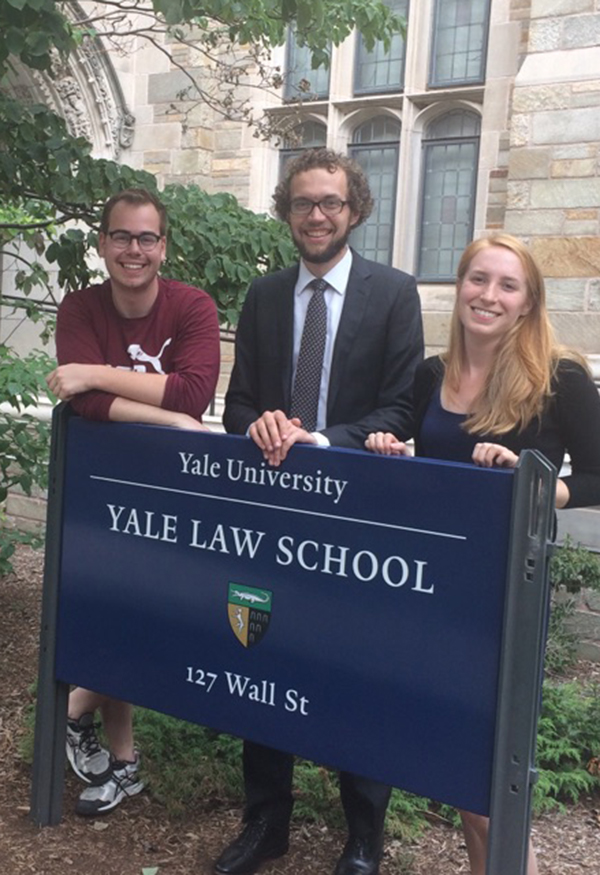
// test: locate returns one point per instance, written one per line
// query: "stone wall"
(177, 137)
(553, 182)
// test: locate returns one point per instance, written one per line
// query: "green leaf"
(38, 43)
(15, 40)
(288, 9)
(173, 11)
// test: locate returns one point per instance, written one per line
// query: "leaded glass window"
(380, 71)
(376, 146)
(459, 42)
(450, 154)
(301, 81)
(308, 135)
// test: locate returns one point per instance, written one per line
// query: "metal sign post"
(51, 709)
(525, 624)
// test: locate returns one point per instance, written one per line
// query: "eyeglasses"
(146, 240)
(329, 206)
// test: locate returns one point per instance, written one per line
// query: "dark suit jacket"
(378, 346)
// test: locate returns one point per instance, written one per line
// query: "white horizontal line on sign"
(315, 513)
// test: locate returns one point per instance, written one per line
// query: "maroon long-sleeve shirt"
(178, 337)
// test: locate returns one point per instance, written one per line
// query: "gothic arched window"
(450, 153)
(376, 147)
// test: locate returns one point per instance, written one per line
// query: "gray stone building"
(485, 117)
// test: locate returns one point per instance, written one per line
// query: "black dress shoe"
(360, 857)
(259, 841)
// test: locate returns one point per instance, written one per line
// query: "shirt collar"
(337, 277)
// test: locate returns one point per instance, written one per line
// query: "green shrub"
(574, 567)
(561, 644)
(186, 765)
(190, 766)
(568, 738)
(24, 440)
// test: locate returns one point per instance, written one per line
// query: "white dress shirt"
(337, 279)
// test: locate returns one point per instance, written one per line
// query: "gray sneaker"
(89, 760)
(123, 781)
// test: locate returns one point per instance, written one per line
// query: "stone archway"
(86, 92)
(84, 89)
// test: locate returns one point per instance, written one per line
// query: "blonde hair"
(519, 380)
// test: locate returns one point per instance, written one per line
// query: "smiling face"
(321, 239)
(493, 294)
(133, 272)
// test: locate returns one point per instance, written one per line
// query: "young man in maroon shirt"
(137, 348)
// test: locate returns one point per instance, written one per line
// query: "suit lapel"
(356, 300)
(284, 337)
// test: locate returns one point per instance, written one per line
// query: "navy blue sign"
(345, 607)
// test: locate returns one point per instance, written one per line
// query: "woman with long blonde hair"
(502, 386)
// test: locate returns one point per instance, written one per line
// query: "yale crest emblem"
(249, 611)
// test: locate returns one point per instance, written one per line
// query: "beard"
(332, 250)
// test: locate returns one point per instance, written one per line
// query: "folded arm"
(124, 410)
(75, 379)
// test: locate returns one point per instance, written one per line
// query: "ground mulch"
(140, 835)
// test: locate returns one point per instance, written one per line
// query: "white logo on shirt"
(137, 354)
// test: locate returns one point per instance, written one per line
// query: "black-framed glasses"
(329, 206)
(146, 240)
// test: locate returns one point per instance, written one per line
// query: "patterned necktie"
(307, 382)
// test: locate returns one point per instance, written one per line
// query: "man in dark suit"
(364, 342)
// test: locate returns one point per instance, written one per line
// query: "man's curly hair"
(360, 200)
